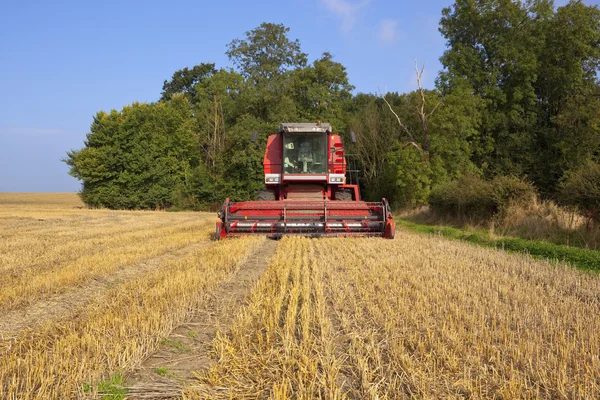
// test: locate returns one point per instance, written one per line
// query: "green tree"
(217, 106)
(534, 68)
(266, 52)
(569, 93)
(494, 44)
(185, 80)
(321, 91)
(580, 188)
(265, 59)
(136, 157)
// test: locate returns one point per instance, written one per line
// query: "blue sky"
(61, 62)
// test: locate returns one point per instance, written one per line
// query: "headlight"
(275, 178)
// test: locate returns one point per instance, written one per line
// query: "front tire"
(266, 195)
(343, 195)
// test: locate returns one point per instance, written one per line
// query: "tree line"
(518, 97)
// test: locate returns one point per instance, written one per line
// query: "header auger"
(306, 192)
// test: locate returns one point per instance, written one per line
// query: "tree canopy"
(519, 95)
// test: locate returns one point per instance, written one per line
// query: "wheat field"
(353, 318)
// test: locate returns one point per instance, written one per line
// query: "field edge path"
(164, 374)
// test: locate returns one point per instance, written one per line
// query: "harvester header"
(306, 191)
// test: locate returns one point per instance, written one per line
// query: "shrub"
(580, 188)
(474, 197)
(469, 195)
(411, 177)
(509, 190)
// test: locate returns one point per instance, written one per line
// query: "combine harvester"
(306, 191)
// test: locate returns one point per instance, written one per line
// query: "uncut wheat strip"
(60, 199)
(280, 345)
(119, 333)
(49, 255)
(335, 382)
(52, 231)
(255, 330)
(83, 223)
(419, 272)
(60, 223)
(87, 267)
(361, 375)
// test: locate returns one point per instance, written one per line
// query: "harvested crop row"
(430, 318)
(30, 284)
(281, 344)
(112, 335)
(17, 233)
(39, 252)
(39, 200)
(46, 235)
(415, 317)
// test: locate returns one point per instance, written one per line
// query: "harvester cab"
(306, 192)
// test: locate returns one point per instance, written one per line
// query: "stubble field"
(132, 304)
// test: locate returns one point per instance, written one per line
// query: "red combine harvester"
(306, 192)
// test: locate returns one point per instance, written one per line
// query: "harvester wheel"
(345, 195)
(266, 195)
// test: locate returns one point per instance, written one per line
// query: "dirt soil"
(165, 373)
(65, 306)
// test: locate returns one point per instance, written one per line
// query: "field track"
(195, 336)
(145, 305)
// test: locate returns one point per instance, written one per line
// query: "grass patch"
(112, 389)
(581, 258)
(162, 371)
(176, 345)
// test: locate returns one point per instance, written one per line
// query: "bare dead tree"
(423, 116)
(212, 136)
(402, 126)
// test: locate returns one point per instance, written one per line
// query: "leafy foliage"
(519, 96)
(472, 196)
(135, 158)
(535, 70)
(185, 80)
(266, 53)
(581, 189)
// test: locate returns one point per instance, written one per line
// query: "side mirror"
(352, 137)
(254, 136)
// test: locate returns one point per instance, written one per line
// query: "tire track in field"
(165, 373)
(347, 378)
(66, 305)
